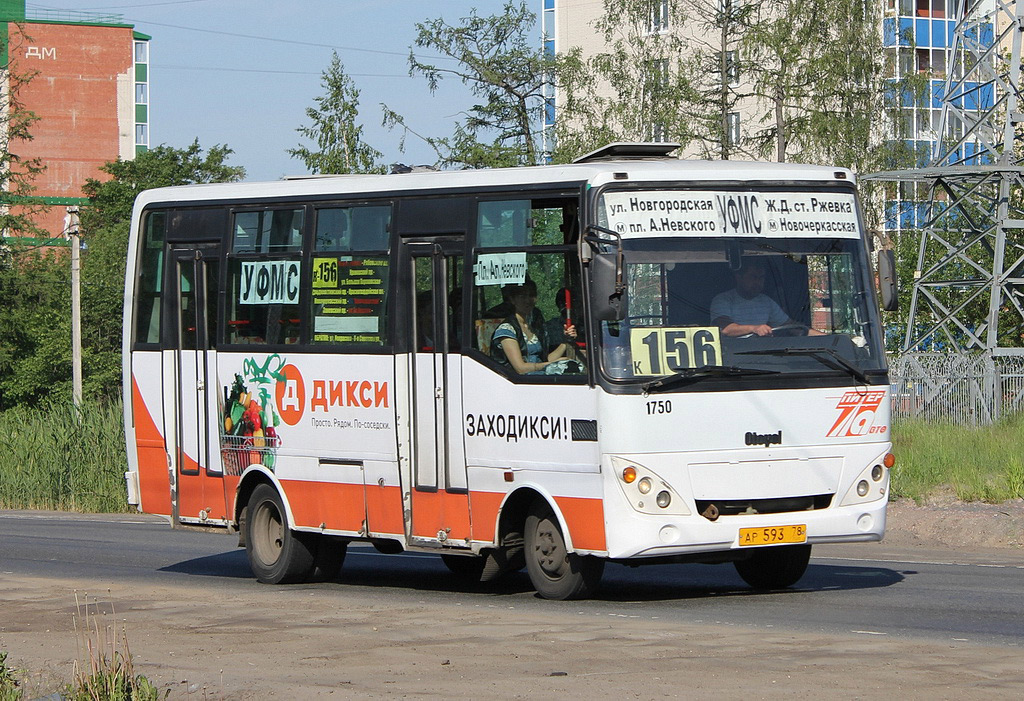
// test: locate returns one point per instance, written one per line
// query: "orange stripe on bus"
(440, 511)
(154, 482)
(485, 507)
(337, 506)
(384, 509)
(585, 518)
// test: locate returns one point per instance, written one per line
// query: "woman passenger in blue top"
(520, 340)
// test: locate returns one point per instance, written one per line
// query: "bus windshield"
(707, 306)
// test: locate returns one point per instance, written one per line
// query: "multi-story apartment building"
(917, 38)
(89, 89)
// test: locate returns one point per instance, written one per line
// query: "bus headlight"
(638, 482)
(871, 484)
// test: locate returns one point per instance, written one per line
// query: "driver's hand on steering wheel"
(762, 330)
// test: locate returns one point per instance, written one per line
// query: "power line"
(159, 66)
(294, 42)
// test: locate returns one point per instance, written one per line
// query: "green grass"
(59, 457)
(10, 687)
(975, 463)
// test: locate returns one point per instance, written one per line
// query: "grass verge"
(104, 670)
(64, 458)
(983, 463)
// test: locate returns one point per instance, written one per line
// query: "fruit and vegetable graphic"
(249, 435)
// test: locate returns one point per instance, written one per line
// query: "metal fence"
(960, 388)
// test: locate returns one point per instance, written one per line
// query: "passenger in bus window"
(746, 311)
(520, 340)
(556, 328)
(455, 318)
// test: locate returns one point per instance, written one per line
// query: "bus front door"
(197, 491)
(440, 494)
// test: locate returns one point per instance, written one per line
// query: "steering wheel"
(798, 329)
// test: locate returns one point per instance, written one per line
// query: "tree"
(35, 353)
(17, 209)
(338, 138)
(637, 90)
(818, 71)
(111, 200)
(504, 69)
(719, 69)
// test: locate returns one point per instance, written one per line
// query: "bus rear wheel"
(277, 554)
(555, 572)
(774, 568)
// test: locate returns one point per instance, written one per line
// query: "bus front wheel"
(277, 554)
(774, 568)
(555, 572)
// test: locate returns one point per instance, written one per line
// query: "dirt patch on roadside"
(945, 522)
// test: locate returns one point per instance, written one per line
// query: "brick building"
(90, 91)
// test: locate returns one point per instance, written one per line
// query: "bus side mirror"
(607, 295)
(887, 280)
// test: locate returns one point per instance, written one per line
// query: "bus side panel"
(383, 498)
(577, 497)
(439, 507)
(333, 448)
(329, 505)
(484, 508)
(585, 519)
(151, 448)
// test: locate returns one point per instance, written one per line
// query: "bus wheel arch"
(533, 532)
(243, 492)
(278, 554)
(556, 571)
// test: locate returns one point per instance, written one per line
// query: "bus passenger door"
(440, 495)
(198, 490)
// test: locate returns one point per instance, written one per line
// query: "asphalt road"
(865, 589)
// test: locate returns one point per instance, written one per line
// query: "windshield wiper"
(685, 375)
(826, 356)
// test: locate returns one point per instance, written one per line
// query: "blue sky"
(242, 72)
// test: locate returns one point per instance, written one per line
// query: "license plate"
(771, 535)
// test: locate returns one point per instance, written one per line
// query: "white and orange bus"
(318, 361)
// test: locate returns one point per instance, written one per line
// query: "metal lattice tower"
(968, 292)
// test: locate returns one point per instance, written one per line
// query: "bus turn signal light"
(629, 475)
(889, 460)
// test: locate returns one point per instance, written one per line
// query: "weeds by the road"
(62, 457)
(104, 670)
(10, 688)
(983, 463)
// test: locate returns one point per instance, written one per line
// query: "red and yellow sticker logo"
(857, 411)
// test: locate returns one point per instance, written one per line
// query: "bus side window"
(349, 274)
(528, 242)
(264, 277)
(150, 276)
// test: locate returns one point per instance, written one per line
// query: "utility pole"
(71, 225)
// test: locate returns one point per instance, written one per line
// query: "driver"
(745, 309)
